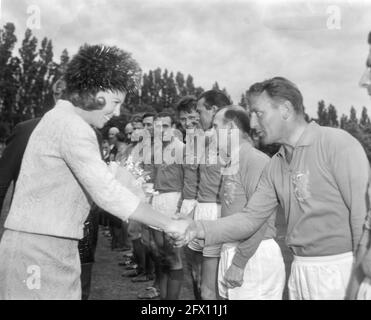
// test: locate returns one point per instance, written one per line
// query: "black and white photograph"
(185, 150)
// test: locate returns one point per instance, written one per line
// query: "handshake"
(182, 231)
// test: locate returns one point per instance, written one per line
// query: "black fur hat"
(101, 68)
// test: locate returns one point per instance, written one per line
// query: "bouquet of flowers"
(135, 168)
(131, 175)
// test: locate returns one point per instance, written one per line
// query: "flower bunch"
(142, 177)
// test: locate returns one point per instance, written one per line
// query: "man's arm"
(351, 172)
(261, 206)
(250, 172)
(363, 256)
(350, 168)
(247, 248)
(362, 265)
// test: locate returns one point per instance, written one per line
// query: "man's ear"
(232, 125)
(286, 110)
(215, 109)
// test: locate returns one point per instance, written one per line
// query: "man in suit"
(10, 162)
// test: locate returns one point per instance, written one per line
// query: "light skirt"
(39, 267)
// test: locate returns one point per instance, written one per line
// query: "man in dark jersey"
(204, 259)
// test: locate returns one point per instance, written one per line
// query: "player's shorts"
(264, 277)
(320, 278)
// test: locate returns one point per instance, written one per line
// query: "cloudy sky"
(319, 45)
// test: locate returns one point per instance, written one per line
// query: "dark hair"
(149, 114)
(240, 117)
(165, 114)
(98, 68)
(279, 88)
(121, 137)
(215, 98)
(186, 104)
(136, 118)
(179, 127)
(369, 38)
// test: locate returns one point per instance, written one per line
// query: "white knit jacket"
(61, 174)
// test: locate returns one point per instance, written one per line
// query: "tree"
(61, 67)
(29, 65)
(332, 116)
(343, 121)
(171, 89)
(7, 42)
(168, 90)
(365, 120)
(216, 86)
(227, 95)
(43, 93)
(26, 80)
(243, 102)
(362, 135)
(198, 91)
(353, 115)
(322, 114)
(180, 84)
(161, 90)
(190, 86)
(138, 108)
(145, 92)
(9, 76)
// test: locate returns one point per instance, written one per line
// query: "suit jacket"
(10, 162)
